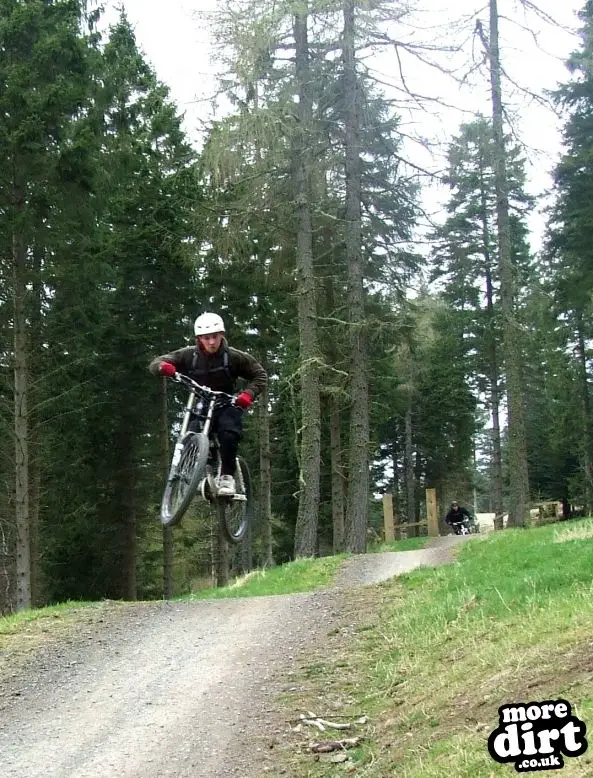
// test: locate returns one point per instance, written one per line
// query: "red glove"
(244, 400)
(166, 368)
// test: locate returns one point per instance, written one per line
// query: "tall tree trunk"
(37, 585)
(475, 489)
(418, 470)
(334, 384)
(587, 424)
(358, 459)
(167, 531)
(337, 474)
(519, 476)
(35, 345)
(409, 465)
(497, 493)
(167, 563)
(305, 542)
(222, 558)
(496, 466)
(395, 483)
(6, 599)
(265, 456)
(245, 557)
(395, 464)
(128, 505)
(21, 423)
(265, 479)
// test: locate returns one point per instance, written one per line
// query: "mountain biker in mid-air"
(215, 364)
(458, 514)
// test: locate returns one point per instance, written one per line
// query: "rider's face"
(211, 343)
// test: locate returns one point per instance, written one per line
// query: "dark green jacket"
(211, 370)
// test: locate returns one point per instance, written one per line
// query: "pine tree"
(425, 410)
(119, 299)
(466, 262)
(44, 67)
(519, 474)
(361, 204)
(307, 518)
(569, 255)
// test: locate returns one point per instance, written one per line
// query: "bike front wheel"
(184, 478)
(235, 513)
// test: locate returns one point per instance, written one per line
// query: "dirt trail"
(173, 689)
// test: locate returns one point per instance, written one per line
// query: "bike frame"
(199, 393)
(465, 523)
(206, 394)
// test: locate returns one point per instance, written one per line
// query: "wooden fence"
(396, 530)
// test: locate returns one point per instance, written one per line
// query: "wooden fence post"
(432, 518)
(397, 520)
(388, 522)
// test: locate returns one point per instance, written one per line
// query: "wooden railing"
(398, 530)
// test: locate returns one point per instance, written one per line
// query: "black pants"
(227, 423)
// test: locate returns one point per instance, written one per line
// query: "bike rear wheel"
(184, 479)
(235, 513)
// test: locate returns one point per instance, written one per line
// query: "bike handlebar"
(184, 379)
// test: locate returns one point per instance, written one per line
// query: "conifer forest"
(404, 351)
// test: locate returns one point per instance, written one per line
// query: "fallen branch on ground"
(327, 746)
(322, 724)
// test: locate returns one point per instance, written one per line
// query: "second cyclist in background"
(457, 514)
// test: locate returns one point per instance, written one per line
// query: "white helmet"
(208, 324)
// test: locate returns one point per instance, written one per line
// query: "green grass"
(23, 633)
(510, 573)
(409, 544)
(303, 575)
(510, 620)
(17, 622)
(433, 655)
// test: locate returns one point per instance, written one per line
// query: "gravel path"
(373, 568)
(173, 689)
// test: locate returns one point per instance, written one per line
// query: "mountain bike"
(465, 527)
(461, 527)
(196, 466)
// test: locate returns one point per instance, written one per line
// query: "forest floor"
(148, 690)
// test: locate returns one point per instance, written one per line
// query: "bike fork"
(176, 455)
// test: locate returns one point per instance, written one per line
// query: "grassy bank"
(442, 649)
(409, 544)
(42, 619)
(303, 575)
(23, 634)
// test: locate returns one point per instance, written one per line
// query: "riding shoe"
(226, 486)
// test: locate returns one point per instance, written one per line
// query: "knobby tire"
(233, 515)
(184, 483)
